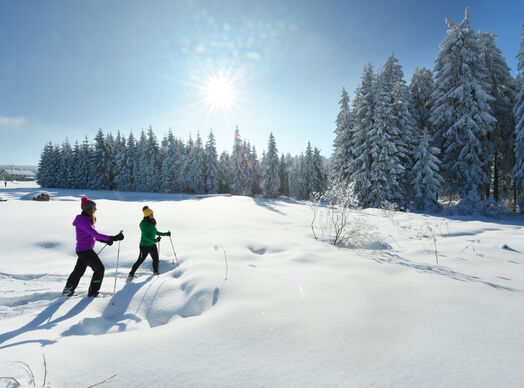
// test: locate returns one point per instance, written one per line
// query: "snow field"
(292, 312)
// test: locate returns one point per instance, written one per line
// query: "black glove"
(109, 242)
(157, 239)
(118, 237)
(169, 233)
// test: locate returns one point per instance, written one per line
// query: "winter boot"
(68, 291)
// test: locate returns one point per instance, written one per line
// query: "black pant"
(144, 251)
(85, 259)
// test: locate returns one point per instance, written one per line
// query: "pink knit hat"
(86, 203)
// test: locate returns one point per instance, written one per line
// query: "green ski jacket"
(149, 234)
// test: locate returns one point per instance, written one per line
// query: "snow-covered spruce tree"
(82, 170)
(111, 146)
(101, 164)
(386, 169)
(198, 166)
(297, 182)
(239, 166)
(224, 173)
(283, 172)
(310, 174)
(518, 112)
(250, 178)
(74, 165)
(320, 176)
(420, 88)
(169, 156)
(407, 140)
(407, 133)
(342, 155)
(461, 113)
(65, 172)
(194, 170)
(119, 143)
(270, 170)
(152, 162)
(184, 178)
(47, 167)
(256, 172)
(427, 180)
(124, 163)
(211, 165)
(502, 89)
(363, 121)
(139, 172)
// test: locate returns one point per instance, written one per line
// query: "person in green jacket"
(147, 241)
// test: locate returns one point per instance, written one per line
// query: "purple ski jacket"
(86, 233)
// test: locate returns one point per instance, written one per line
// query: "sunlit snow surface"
(293, 311)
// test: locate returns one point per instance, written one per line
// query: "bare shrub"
(336, 216)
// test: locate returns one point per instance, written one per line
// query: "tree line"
(174, 166)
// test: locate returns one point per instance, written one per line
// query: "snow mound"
(36, 196)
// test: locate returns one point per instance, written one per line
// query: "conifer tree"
(420, 88)
(83, 172)
(283, 172)
(461, 113)
(224, 173)
(74, 165)
(185, 178)
(111, 146)
(256, 172)
(342, 155)
(364, 105)
(502, 89)
(211, 165)
(101, 164)
(239, 166)
(248, 166)
(518, 112)
(47, 167)
(142, 159)
(270, 170)
(386, 169)
(151, 168)
(310, 176)
(169, 153)
(427, 180)
(319, 172)
(65, 173)
(124, 163)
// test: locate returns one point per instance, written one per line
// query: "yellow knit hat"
(147, 211)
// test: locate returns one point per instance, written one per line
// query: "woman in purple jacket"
(86, 235)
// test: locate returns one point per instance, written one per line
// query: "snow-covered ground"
(293, 312)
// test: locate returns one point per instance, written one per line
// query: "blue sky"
(68, 68)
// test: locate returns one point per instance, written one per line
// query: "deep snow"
(293, 311)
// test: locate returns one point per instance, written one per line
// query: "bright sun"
(220, 92)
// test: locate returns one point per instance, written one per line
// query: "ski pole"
(116, 270)
(101, 249)
(172, 246)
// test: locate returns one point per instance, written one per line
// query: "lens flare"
(301, 289)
